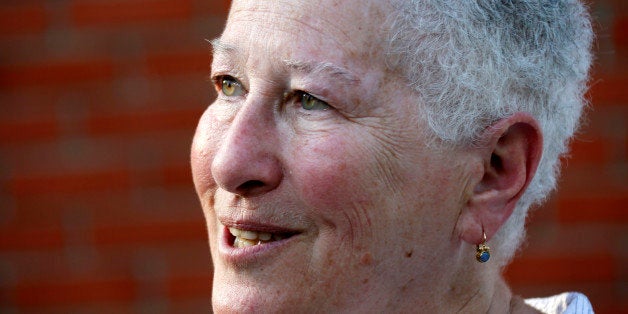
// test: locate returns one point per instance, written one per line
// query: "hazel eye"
(309, 102)
(231, 87)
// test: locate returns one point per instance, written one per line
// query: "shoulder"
(564, 303)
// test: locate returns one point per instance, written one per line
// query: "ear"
(510, 153)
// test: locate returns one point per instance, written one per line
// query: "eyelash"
(296, 96)
(219, 81)
(303, 97)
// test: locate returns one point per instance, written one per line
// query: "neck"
(460, 287)
(503, 301)
(488, 293)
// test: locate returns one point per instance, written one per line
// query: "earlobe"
(511, 152)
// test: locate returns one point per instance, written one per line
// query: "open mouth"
(244, 238)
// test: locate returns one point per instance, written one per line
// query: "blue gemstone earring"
(483, 252)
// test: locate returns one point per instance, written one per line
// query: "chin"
(253, 299)
(242, 295)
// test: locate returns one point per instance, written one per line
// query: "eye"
(230, 87)
(309, 102)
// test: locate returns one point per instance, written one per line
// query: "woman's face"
(312, 168)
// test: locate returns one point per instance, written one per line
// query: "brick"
(144, 205)
(193, 92)
(18, 238)
(563, 270)
(590, 179)
(55, 73)
(70, 183)
(175, 63)
(74, 291)
(68, 154)
(32, 105)
(190, 271)
(22, 19)
(118, 12)
(27, 131)
(178, 174)
(215, 7)
(143, 121)
(190, 259)
(149, 233)
(32, 211)
(544, 213)
(620, 33)
(200, 304)
(96, 307)
(595, 151)
(175, 148)
(608, 209)
(183, 287)
(32, 266)
(22, 48)
(609, 90)
(609, 307)
(59, 209)
(556, 239)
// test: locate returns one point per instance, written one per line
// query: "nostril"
(250, 186)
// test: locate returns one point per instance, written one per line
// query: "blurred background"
(98, 104)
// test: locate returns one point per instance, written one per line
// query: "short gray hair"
(475, 62)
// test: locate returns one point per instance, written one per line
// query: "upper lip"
(259, 225)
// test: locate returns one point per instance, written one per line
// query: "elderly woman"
(381, 156)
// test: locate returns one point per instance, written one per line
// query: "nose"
(246, 162)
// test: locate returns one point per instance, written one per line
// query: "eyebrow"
(220, 47)
(327, 68)
(305, 67)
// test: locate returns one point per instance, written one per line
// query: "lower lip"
(250, 254)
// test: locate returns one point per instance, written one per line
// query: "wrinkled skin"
(371, 208)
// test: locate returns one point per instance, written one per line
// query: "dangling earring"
(483, 252)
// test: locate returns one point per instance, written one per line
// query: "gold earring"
(483, 252)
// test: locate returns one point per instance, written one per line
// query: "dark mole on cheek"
(409, 253)
(367, 259)
(405, 286)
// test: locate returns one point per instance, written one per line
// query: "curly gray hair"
(475, 62)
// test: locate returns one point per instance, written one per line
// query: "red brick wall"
(578, 241)
(98, 103)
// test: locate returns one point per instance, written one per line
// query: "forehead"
(297, 29)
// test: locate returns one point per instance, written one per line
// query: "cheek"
(329, 174)
(204, 145)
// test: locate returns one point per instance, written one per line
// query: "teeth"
(264, 236)
(249, 235)
(240, 243)
(245, 238)
(235, 232)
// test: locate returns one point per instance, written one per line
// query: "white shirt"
(564, 303)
